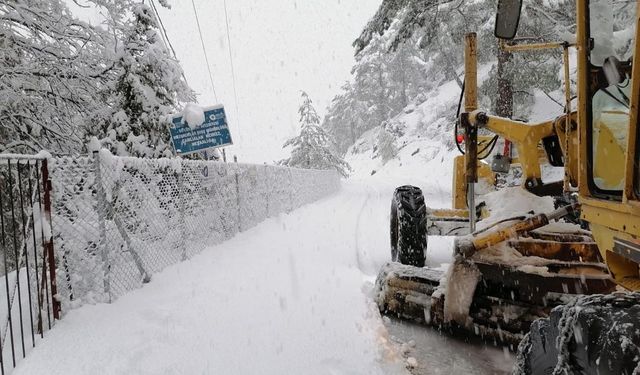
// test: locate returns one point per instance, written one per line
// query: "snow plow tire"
(598, 334)
(408, 226)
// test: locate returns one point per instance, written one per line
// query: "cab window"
(612, 30)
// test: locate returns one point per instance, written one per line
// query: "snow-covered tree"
(383, 83)
(343, 119)
(386, 146)
(412, 46)
(51, 66)
(149, 86)
(64, 80)
(312, 147)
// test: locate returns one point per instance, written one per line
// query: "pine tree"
(411, 46)
(386, 145)
(312, 147)
(149, 87)
(383, 83)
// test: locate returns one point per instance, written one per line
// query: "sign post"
(212, 133)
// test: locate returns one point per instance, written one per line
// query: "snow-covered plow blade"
(505, 302)
(503, 277)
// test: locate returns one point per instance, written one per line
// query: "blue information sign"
(213, 133)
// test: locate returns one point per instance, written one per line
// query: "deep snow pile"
(289, 296)
(119, 220)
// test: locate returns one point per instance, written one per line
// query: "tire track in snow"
(365, 262)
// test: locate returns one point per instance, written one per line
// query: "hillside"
(394, 118)
(425, 148)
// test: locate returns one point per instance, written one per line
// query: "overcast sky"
(280, 47)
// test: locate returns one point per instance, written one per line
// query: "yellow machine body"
(600, 151)
(614, 219)
(614, 158)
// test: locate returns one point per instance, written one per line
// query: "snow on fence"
(119, 220)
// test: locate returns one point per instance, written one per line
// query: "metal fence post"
(48, 242)
(267, 188)
(102, 227)
(238, 199)
(181, 208)
(292, 204)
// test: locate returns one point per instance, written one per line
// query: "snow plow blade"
(505, 302)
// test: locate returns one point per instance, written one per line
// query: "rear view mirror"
(507, 18)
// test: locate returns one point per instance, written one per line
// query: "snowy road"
(440, 353)
(287, 297)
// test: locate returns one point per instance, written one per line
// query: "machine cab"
(608, 93)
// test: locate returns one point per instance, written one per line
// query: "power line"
(233, 72)
(165, 37)
(204, 50)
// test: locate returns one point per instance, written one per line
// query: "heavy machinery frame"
(596, 333)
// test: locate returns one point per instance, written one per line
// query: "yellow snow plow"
(510, 271)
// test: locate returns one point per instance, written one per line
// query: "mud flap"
(462, 278)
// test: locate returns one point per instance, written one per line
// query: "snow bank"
(288, 296)
(119, 220)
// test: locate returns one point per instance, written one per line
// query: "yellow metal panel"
(609, 156)
(610, 215)
(443, 213)
(621, 268)
(520, 132)
(459, 188)
(560, 125)
(526, 138)
(531, 46)
(486, 174)
(459, 184)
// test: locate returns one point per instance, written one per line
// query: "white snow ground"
(288, 296)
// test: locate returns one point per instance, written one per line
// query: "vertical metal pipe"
(17, 259)
(6, 279)
(238, 199)
(43, 286)
(35, 252)
(181, 208)
(567, 125)
(582, 45)
(471, 165)
(471, 131)
(470, 73)
(46, 181)
(101, 207)
(25, 224)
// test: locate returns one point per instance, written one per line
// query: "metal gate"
(28, 304)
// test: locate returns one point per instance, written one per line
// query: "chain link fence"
(119, 220)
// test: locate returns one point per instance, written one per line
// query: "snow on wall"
(119, 220)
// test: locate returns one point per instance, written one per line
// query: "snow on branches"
(65, 80)
(149, 87)
(312, 147)
(51, 64)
